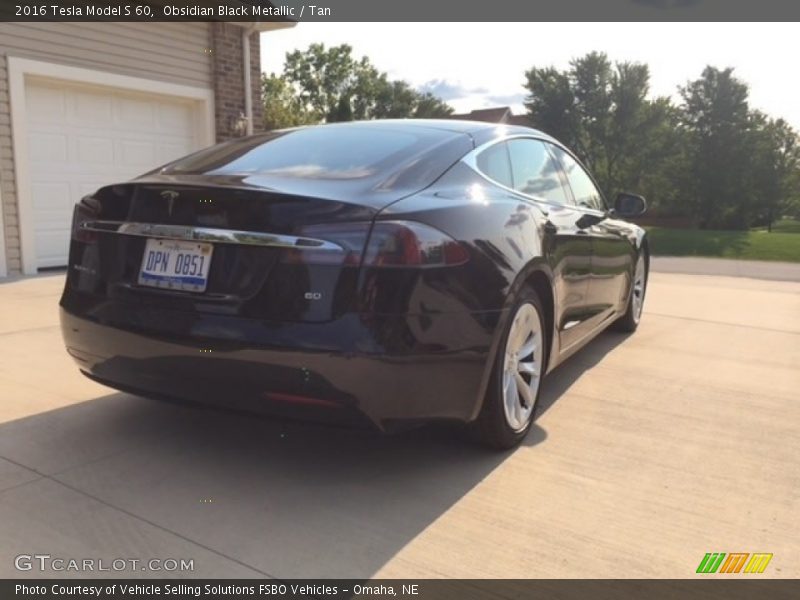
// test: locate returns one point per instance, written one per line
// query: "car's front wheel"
(510, 404)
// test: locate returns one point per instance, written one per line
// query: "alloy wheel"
(522, 367)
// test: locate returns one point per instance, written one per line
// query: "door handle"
(549, 227)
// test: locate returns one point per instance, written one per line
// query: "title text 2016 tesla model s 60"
(402, 271)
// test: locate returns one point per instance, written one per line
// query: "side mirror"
(629, 205)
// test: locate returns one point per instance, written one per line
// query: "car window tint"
(583, 188)
(328, 152)
(534, 171)
(493, 162)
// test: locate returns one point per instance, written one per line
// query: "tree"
(282, 106)
(551, 105)
(601, 111)
(711, 158)
(324, 78)
(591, 79)
(398, 100)
(429, 106)
(716, 115)
(775, 168)
(655, 163)
(331, 85)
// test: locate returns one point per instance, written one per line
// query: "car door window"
(583, 188)
(493, 162)
(534, 171)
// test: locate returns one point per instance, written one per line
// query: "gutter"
(248, 80)
(247, 30)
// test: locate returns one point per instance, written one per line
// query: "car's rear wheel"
(510, 404)
(630, 320)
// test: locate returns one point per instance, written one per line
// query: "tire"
(628, 322)
(503, 425)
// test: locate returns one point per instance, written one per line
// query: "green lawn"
(748, 245)
(784, 226)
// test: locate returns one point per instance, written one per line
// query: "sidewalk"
(690, 265)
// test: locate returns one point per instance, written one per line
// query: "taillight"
(388, 244)
(409, 244)
(86, 210)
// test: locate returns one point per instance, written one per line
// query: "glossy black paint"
(392, 344)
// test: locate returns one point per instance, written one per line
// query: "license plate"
(174, 265)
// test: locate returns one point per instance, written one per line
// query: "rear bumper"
(390, 369)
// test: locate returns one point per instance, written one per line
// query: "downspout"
(248, 83)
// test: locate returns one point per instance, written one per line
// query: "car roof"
(480, 131)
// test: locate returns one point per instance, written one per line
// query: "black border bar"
(714, 588)
(401, 10)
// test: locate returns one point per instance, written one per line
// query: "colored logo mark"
(735, 562)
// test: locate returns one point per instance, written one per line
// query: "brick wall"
(229, 80)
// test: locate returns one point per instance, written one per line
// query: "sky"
(479, 65)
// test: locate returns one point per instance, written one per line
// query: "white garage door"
(81, 138)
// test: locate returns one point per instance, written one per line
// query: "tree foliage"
(323, 84)
(707, 155)
(602, 112)
(710, 157)
(719, 137)
(282, 106)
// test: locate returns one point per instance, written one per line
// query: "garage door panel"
(51, 221)
(45, 103)
(90, 109)
(93, 150)
(82, 138)
(135, 152)
(174, 119)
(51, 207)
(168, 152)
(49, 248)
(130, 112)
(47, 147)
(50, 196)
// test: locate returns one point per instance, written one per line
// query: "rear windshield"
(327, 152)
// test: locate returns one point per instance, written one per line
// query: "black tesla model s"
(393, 271)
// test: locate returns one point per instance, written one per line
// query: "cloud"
(506, 99)
(457, 94)
(450, 90)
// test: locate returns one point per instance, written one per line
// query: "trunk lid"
(244, 279)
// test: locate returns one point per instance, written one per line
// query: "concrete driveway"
(651, 451)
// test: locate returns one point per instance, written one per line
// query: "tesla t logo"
(714, 562)
(169, 196)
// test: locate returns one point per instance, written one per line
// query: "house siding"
(171, 52)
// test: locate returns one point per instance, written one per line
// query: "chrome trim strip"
(471, 157)
(209, 234)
